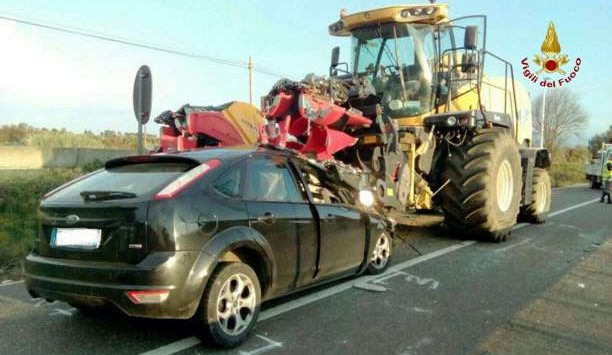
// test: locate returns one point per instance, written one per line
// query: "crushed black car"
(204, 235)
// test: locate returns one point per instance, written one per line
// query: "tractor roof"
(430, 14)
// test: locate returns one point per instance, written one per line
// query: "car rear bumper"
(183, 274)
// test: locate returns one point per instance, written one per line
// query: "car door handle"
(267, 218)
(331, 217)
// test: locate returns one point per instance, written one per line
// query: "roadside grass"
(20, 193)
(568, 166)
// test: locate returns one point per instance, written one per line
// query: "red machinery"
(299, 115)
(231, 124)
(302, 116)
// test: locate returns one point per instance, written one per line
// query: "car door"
(279, 211)
(342, 228)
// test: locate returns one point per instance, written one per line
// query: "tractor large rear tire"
(482, 199)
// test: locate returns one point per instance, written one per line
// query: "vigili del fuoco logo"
(551, 63)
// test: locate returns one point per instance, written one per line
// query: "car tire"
(381, 255)
(482, 198)
(538, 210)
(230, 305)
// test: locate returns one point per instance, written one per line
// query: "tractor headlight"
(451, 120)
(366, 198)
(418, 11)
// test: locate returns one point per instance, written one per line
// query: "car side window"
(271, 180)
(229, 183)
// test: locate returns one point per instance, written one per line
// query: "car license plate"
(80, 238)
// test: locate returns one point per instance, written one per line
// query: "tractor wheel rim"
(236, 304)
(504, 186)
(382, 251)
(541, 195)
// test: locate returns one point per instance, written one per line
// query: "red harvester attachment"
(303, 117)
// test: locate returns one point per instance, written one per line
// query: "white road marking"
(370, 287)
(433, 284)
(569, 187)
(422, 310)
(377, 284)
(512, 246)
(9, 282)
(64, 312)
(271, 345)
(556, 213)
(412, 350)
(174, 347)
(520, 225)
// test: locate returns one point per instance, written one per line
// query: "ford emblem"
(72, 219)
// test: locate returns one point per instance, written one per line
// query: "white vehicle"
(594, 168)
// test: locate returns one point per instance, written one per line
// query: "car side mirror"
(470, 41)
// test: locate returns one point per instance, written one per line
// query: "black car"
(204, 234)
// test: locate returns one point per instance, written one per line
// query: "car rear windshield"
(137, 179)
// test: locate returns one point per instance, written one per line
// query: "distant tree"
(565, 116)
(596, 141)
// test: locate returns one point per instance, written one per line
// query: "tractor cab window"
(398, 59)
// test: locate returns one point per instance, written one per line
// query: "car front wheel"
(379, 259)
(230, 305)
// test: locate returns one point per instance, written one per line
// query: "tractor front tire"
(482, 198)
(539, 208)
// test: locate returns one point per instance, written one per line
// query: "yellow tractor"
(446, 133)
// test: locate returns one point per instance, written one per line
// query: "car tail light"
(61, 187)
(147, 296)
(187, 179)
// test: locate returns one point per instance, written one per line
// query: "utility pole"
(542, 119)
(250, 67)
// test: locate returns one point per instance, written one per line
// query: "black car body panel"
(258, 206)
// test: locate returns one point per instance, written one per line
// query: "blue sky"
(52, 79)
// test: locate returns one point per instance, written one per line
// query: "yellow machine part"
(437, 13)
(245, 118)
(492, 99)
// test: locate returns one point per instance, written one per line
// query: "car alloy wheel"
(381, 253)
(236, 304)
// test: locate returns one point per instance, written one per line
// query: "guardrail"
(19, 157)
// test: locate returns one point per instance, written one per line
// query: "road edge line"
(571, 208)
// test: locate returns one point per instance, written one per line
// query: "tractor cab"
(418, 63)
(398, 60)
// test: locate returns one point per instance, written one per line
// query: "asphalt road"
(442, 295)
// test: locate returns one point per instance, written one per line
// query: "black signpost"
(142, 101)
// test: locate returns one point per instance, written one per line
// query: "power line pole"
(250, 67)
(543, 114)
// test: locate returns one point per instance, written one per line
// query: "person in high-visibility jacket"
(606, 182)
